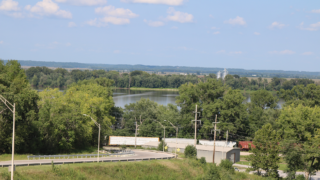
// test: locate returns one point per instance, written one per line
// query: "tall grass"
(145, 170)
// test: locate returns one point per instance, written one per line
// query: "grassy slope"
(148, 170)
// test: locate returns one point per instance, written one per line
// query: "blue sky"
(279, 35)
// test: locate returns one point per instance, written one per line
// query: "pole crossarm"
(95, 122)
(5, 103)
(160, 124)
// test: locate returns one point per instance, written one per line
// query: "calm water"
(122, 97)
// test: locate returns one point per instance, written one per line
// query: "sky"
(251, 34)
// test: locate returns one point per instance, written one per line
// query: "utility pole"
(227, 138)
(135, 138)
(176, 138)
(226, 144)
(195, 126)
(13, 110)
(214, 142)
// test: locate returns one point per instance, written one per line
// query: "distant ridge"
(178, 69)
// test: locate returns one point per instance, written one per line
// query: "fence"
(78, 155)
(86, 161)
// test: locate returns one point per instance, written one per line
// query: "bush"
(227, 165)
(300, 177)
(161, 146)
(212, 173)
(123, 147)
(203, 160)
(190, 152)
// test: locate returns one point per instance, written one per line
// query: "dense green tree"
(15, 87)
(300, 130)
(264, 99)
(213, 98)
(265, 155)
(62, 123)
(307, 95)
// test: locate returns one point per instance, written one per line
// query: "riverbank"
(248, 92)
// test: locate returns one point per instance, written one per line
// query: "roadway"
(138, 156)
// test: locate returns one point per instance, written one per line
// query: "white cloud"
(256, 33)
(83, 2)
(72, 24)
(68, 44)
(95, 22)
(236, 52)
(154, 23)
(115, 20)
(48, 8)
(179, 16)
(167, 2)
(112, 15)
(277, 25)
(9, 5)
(214, 28)
(174, 27)
(116, 12)
(1, 42)
(316, 11)
(311, 27)
(236, 21)
(282, 52)
(217, 32)
(116, 51)
(307, 53)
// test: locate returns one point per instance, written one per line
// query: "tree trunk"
(306, 175)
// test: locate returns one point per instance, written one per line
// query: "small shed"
(233, 154)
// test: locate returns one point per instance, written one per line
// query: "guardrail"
(84, 161)
(78, 155)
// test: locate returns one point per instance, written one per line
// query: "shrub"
(203, 160)
(300, 177)
(161, 146)
(190, 152)
(227, 165)
(123, 147)
(212, 173)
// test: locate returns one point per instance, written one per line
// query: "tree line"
(176, 69)
(42, 77)
(52, 121)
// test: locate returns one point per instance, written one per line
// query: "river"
(122, 97)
